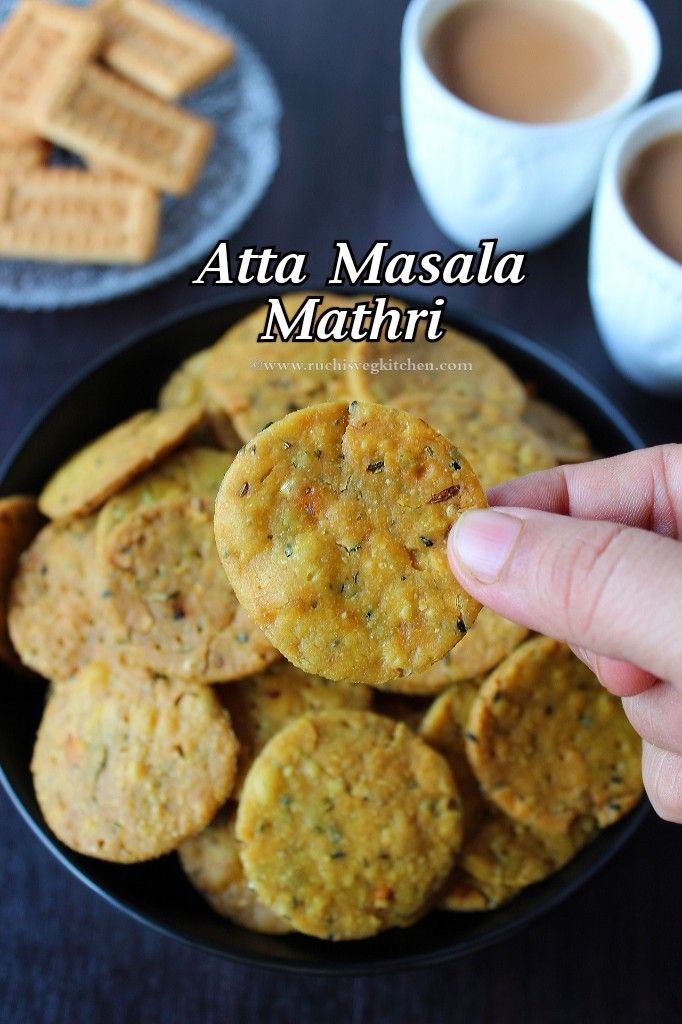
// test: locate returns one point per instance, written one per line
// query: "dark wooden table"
(612, 952)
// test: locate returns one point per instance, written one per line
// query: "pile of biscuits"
(98, 81)
(406, 753)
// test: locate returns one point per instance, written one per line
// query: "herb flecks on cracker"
(127, 763)
(549, 769)
(329, 559)
(349, 824)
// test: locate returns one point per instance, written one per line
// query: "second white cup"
(635, 288)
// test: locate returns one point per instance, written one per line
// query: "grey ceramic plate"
(243, 103)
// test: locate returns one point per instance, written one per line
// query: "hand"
(592, 554)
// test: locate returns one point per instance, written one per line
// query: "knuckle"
(639, 712)
(656, 714)
(587, 657)
(667, 484)
(671, 453)
(579, 576)
(662, 773)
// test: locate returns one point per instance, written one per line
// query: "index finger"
(641, 488)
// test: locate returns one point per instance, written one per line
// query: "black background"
(612, 952)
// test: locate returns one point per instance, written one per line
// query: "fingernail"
(481, 543)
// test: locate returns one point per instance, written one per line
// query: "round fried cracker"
(127, 764)
(565, 436)
(211, 862)
(497, 443)
(19, 522)
(171, 599)
(503, 857)
(195, 471)
(490, 639)
(263, 704)
(255, 395)
(349, 824)
(549, 744)
(58, 615)
(332, 528)
(443, 727)
(459, 365)
(186, 386)
(223, 431)
(106, 465)
(499, 857)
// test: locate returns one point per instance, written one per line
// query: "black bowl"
(157, 892)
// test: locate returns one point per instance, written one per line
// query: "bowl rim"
(467, 320)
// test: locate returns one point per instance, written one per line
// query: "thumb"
(607, 588)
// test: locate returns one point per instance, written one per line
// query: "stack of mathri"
(99, 81)
(172, 722)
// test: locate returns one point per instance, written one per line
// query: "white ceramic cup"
(635, 289)
(485, 177)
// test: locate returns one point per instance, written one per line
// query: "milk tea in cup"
(652, 191)
(535, 61)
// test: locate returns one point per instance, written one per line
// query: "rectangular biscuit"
(10, 133)
(72, 215)
(111, 123)
(20, 150)
(160, 48)
(40, 43)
